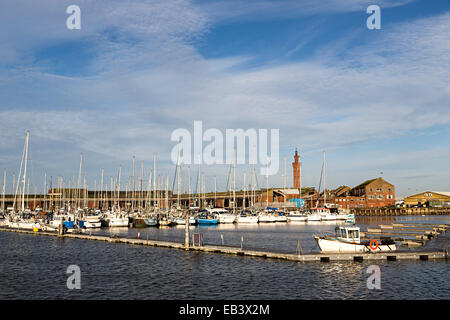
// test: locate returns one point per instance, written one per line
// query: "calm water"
(34, 267)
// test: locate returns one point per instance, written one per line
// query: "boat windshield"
(353, 234)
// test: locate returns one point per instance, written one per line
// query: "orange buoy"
(375, 242)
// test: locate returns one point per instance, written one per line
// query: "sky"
(377, 101)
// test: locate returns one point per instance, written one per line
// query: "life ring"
(376, 244)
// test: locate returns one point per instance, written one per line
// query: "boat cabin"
(348, 234)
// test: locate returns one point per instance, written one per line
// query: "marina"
(300, 256)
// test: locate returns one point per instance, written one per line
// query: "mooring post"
(186, 233)
(60, 229)
(299, 248)
(221, 236)
(242, 242)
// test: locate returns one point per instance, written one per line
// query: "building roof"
(365, 183)
(443, 193)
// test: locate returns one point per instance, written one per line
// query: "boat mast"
(215, 191)
(189, 187)
(4, 190)
(25, 170)
(284, 178)
(324, 181)
(101, 190)
(79, 182)
(245, 189)
(234, 181)
(154, 179)
(267, 185)
(118, 189)
(178, 179)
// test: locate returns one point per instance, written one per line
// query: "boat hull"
(248, 219)
(227, 218)
(207, 221)
(337, 246)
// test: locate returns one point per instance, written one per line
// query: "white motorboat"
(297, 216)
(347, 240)
(92, 222)
(223, 215)
(247, 217)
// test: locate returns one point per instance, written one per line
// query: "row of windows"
(380, 190)
(380, 197)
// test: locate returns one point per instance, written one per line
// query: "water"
(34, 267)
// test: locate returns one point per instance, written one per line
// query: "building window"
(370, 197)
(370, 190)
(389, 196)
(379, 190)
(389, 190)
(380, 197)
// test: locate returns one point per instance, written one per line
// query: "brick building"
(372, 193)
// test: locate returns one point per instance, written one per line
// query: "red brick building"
(369, 194)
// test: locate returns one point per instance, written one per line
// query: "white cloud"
(138, 92)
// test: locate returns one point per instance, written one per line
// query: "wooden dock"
(307, 257)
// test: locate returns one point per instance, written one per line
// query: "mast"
(178, 179)
(267, 185)
(215, 191)
(189, 187)
(101, 191)
(25, 170)
(79, 182)
(234, 181)
(284, 178)
(245, 189)
(154, 178)
(133, 181)
(324, 182)
(4, 190)
(118, 189)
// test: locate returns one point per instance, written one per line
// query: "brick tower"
(296, 170)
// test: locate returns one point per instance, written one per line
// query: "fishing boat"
(347, 240)
(247, 216)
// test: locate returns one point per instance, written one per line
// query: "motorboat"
(347, 240)
(297, 216)
(246, 216)
(223, 215)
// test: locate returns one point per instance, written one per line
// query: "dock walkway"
(307, 257)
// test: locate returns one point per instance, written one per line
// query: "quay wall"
(399, 211)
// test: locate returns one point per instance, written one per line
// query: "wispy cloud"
(147, 78)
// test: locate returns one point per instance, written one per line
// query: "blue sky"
(375, 100)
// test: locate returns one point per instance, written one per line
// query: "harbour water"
(34, 267)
